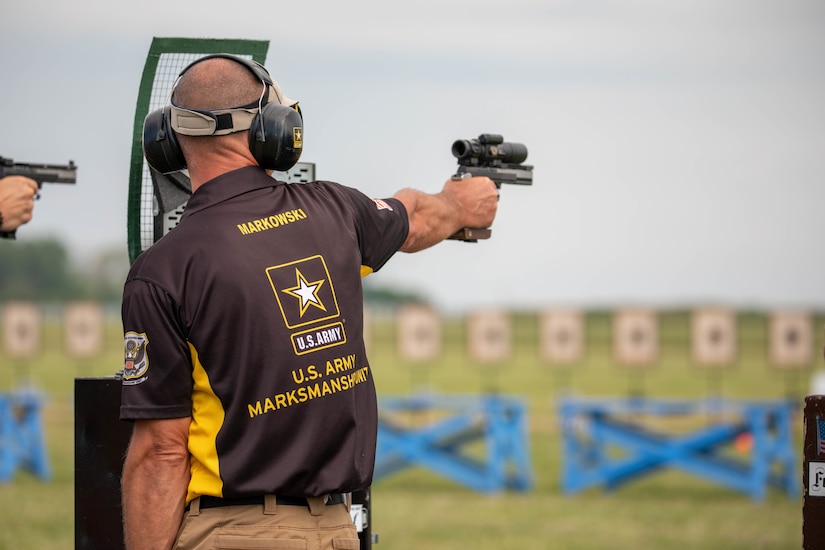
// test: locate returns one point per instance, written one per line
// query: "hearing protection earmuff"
(274, 122)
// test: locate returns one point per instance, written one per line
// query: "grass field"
(416, 509)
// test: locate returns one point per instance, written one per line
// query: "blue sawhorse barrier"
(442, 434)
(22, 444)
(607, 442)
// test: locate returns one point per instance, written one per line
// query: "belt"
(215, 502)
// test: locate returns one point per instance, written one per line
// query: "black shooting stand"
(101, 439)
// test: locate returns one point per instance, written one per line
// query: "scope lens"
(462, 149)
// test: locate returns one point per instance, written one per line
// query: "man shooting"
(246, 377)
(19, 186)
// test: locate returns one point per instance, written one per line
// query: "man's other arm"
(155, 480)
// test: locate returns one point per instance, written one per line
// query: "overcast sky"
(679, 147)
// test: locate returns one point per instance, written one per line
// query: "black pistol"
(41, 173)
(490, 156)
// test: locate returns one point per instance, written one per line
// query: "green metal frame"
(255, 48)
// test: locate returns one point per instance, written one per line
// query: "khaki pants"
(271, 526)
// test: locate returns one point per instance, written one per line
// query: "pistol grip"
(470, 234)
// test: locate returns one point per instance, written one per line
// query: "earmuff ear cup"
(160, 146)
(276, 137)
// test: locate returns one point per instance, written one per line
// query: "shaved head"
(217, 83)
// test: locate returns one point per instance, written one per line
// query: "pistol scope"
(488, 149)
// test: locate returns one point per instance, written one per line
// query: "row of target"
(562, 335)
(636, 342)
(83, 324)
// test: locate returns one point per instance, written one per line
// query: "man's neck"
(218, 155)
(210, 171)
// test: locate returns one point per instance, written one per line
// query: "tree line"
(44, 270)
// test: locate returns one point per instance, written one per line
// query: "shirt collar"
(229, 185)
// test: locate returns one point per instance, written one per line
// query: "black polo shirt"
(248, 317)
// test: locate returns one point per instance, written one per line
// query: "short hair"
(217, 83)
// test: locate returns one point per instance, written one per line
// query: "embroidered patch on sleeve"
(135, 359)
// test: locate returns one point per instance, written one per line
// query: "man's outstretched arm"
(460, 203)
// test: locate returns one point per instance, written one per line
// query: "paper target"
(489, 336)
(635, 337)
(419, 333)
(713, 338)
(790, 340)
(83, 322)
(21, 330)
(561, 336)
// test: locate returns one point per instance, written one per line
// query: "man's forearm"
(153, 501)
(460, 203)
(432, 219)
(154, 486)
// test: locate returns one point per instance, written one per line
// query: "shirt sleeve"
(157, 374)
(382, 226)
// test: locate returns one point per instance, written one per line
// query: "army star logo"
(306, 292)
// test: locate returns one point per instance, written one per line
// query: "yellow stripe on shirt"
(207, 419)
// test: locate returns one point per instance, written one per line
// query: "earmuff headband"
(192, 122)
(220, 122)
